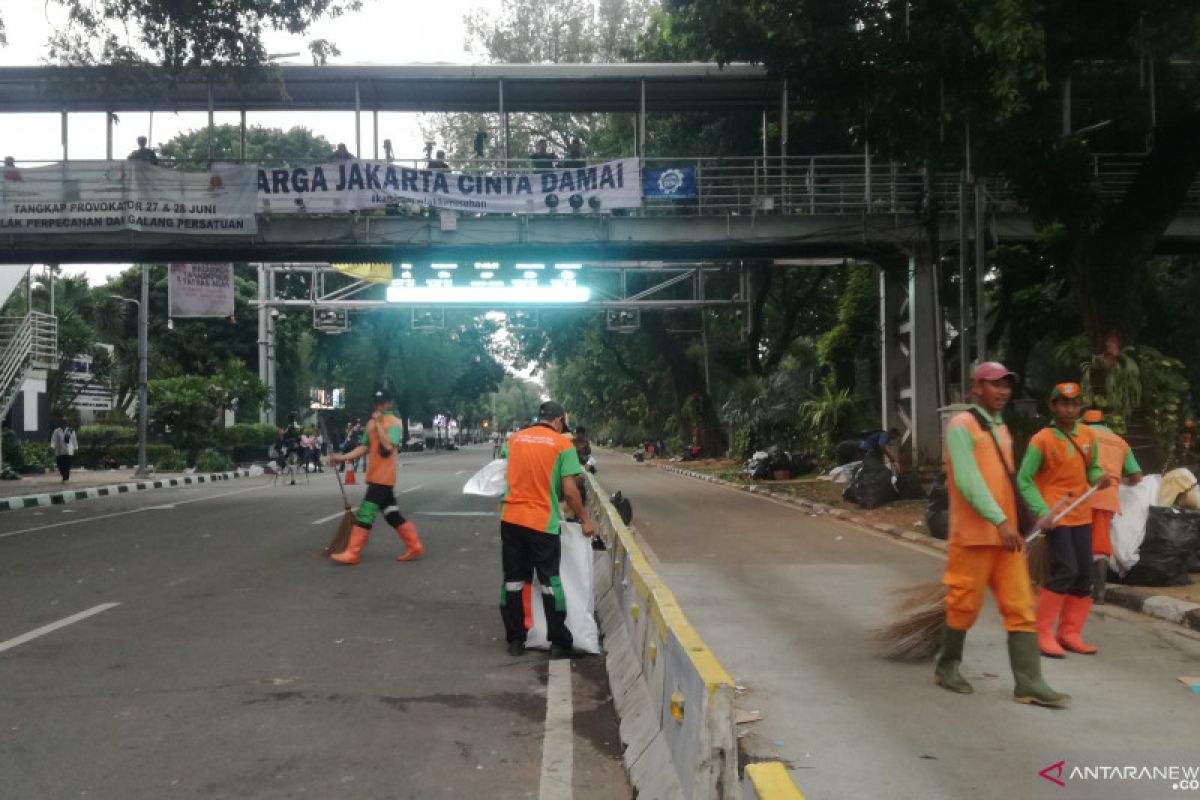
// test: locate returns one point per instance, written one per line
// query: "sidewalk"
(50, 489)
(1143, 599)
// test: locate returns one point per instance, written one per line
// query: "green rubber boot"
(946, 674)
(1026, 662)
(1099, 580)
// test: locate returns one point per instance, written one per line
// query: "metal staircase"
(26, 343)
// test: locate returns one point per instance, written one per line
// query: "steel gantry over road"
(768, 206)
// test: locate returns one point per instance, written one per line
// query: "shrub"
(247, 434)
(170, 461)
(212, 461)
(125, 455)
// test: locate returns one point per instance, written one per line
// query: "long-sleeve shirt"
(1053, 468)
(981, 495)
(960, 445)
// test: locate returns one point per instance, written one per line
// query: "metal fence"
(810, 184)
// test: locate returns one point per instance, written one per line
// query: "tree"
(187, 410)
(547, 32)
(267, 146)
(185, 34)
(911, 78)
(75, 307)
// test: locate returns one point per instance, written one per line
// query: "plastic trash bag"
(575, 571)
(1172, 539)
(872, 485)
(491, 481)
(1179, 489)
(1129, 526)
(845, 472)
(937, 510)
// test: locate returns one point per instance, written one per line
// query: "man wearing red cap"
(1062, 461)
(985, 547)
(1117, 461)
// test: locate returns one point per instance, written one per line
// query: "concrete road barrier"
(674, 699)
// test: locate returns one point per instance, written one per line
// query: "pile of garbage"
(1156, 537)
(775, 463)
(871, 483)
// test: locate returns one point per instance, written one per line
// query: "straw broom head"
(341, 537)
(916, 634)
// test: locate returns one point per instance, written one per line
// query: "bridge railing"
(829, 184)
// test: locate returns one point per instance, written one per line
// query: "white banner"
(356, 185)
(200, 290)
(101, 196)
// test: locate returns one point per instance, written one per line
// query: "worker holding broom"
(1117, 461)
(381, 440)
(1063, 460)
(985, 546)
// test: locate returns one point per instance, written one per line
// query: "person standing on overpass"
(382, 440)
(986, 549)
(1117, 461)
(539, 459)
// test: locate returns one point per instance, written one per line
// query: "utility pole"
(143, 347)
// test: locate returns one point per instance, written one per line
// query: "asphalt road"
(203, 649)
(788, 602)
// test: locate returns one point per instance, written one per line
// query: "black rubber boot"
(1026, 662)
(945, 673)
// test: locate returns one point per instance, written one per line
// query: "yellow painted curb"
(771, 781)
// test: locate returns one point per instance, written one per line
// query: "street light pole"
(143, 347)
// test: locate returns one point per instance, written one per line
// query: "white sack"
(575, 571)
(1178, 488)
(844, 473)
(491, 481)
(1129, 526)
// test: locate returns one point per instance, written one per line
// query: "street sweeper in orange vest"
(1118, 463)
(1064, 459)
(381, 440)
(985, 546)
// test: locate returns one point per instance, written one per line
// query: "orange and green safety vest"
(538, 459)
(981, 495)
(1053, 468)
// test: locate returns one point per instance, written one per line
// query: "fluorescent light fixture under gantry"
(499, 295)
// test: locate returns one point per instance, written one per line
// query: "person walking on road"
(1062, 461)
(64, 443)
(986, 548)
(382, 440)
(540, 458)
(1117, 461)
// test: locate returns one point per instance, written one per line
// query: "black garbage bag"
(908, 486)
(1171, 543)
(871, 486)
(623, 506)
(847, 451)
(802, 464)
(937, 510)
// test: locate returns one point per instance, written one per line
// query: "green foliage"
(166, 459)
(246, 433)
(106, 433)
(266, 146)
(187, 410)
(186, 34)
(28, 453)
(212, 461)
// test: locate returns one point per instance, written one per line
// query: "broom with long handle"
(921, 610)
(341, 536)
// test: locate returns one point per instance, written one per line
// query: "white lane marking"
(53, 626)
(410, 489)
(461, 472)
(130, 511)
(326, 519)
(557, 743)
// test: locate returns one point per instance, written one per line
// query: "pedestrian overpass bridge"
(770, 206)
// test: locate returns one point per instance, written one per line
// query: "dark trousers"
(524, 550)
(1070, 550)
(64, 466)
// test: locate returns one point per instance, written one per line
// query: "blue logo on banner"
(669, 183)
